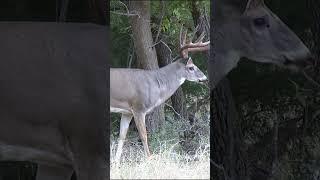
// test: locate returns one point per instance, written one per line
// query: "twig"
(220, 167)
(166, 46)
(125, 14)
(153, 45)
(174, 110)
(310, 79)
(127, 11)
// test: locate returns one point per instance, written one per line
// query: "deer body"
(146, 89)
(135, 92)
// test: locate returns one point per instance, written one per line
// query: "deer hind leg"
(139, 119)
(124, 125)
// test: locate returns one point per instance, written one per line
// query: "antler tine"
(190, 46)
(184, 40)
(195, 31)
(201, 37)
(180, 36)
(183, 37)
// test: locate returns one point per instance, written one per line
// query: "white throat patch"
(181, 81)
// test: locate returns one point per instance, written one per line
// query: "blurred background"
(276, 123)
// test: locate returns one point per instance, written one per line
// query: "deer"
(53, 98)
(246, 29)
(135, 92)
(249, 29)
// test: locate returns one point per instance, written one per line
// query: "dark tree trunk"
(177, 99)
(314, 6)
(145, 51)
(227, 151)
(62, 9)
(201, 21)
(98, 11)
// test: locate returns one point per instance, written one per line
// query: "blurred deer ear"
(189, 61)
(252, 4)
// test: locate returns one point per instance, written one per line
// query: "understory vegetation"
(174, 156)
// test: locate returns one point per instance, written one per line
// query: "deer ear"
(252, 4)
(189, 61)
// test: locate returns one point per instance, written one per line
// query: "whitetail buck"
(135, 92)
(249, 29)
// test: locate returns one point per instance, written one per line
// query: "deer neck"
(225, 56)
(170, 78)
(225, 49)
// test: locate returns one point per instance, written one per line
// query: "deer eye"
(191, 68)
(261, 21)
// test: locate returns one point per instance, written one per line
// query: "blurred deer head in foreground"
(251, 30)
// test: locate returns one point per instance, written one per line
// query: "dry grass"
(166, 163)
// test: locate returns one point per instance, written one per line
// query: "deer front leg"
(124, 125)
(139, 119)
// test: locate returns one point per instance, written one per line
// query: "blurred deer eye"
(260, 22)
(191, 68)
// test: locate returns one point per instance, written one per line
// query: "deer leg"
(124, 126)
(139, 119)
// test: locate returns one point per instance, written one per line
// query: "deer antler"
(198, 45)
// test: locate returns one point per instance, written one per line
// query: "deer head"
(251, 30)
(192, 72)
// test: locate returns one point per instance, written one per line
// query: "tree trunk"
(177, 99)
(145, 51)
(62, 8)
(314, 6)
(201, 21)
(98, 11)
(226, 151)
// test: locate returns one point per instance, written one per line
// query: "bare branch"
(310, 79)
(127, 13)
(174, 110)
(220, 167)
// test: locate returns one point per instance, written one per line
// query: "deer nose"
(302, 61)
(203, 79)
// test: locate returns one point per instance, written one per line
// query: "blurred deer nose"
(203, 79)
(306, 61)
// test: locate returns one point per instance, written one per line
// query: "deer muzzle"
(299, 63)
